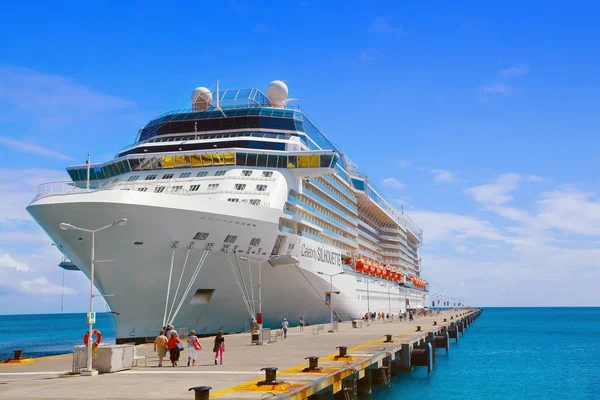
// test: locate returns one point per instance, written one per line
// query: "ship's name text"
(322, 255)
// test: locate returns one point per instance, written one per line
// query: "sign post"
(91, 318)
(327, 298)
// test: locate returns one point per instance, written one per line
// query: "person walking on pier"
(160, 345)
(285, 325)
(175, 348)
(193, 347)
(301, 324)
(219, 347)
(170, 331)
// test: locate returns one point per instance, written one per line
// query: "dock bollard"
(445, 320)
(388, 339)
(434, 323)
(270, 376)
(343, 351)
(418, 328)
(201, 392)
(313, 364)
(18, 354)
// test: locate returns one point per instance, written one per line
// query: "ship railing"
(68, 187)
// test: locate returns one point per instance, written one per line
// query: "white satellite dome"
(201, 98)
(277, 91)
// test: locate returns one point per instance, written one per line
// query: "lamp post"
(260, 325)
(65, 227)
(330, 291)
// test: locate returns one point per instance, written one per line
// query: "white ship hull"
(136, 283)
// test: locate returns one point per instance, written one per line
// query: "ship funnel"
(201, 99)
(277, 91)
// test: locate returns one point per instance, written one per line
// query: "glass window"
(125, 166)
(194, 188)
(196, 160)
(255, 202)
(218, 159)
(232, 200)
(326, 160)
(267, 174)
(159, 189)
(262, 160)
(292, 162)
(240, 186)
(303, 161)
(255, 242)
(99, 173)
(135, 164)
(272, 161)
(202, 174)
(229, 158)
(251, 160)
(230, 239)
(167, 176)
(181, 161)
(220, 173)
(167, 162)
(73, 175)
(261, 188)
(282, 162)
(314, 161)
(133, 178)
(150, 177)
(107, 172)
(213, 186)
(207, 160)
(185, 175)
(142, 189)
(240, 159)
(177, 188)
(246, 172)
(201, 236)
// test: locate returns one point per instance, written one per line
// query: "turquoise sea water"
(508, 353)
(49, 334)
(513, 353)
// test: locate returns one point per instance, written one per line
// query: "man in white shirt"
(285, 325)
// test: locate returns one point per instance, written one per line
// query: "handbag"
(197, 345)
(179, 346)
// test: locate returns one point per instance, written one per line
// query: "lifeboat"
(347, 259)
(360, 265)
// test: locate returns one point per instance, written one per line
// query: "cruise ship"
(237, 207)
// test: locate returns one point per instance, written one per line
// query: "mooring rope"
(173, 246)
(190, 284)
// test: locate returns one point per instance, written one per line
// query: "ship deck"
(237, 378)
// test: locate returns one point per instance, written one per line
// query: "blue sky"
(481, 119)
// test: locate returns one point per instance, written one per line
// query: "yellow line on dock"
(246, 385)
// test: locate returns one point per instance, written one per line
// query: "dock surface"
(236, 379)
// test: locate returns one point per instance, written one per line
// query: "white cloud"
(41, 286)
(442, 175)
(6, 261)
(497, 192)
(22, 185)
(381, 25)
(446, 226)
(521, 69)
(402, 163)
(570, 211)
(393, 183)
(32, 90)
(33, 148)
(495, 89)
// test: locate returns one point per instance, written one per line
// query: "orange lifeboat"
(360, 265)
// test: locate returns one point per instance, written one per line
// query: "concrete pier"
(371, 358)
